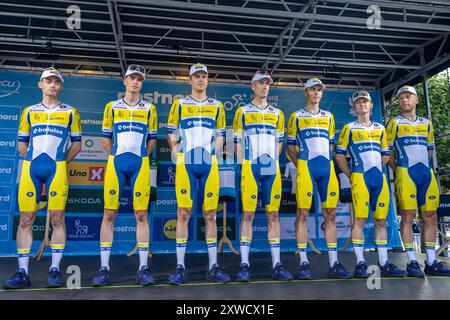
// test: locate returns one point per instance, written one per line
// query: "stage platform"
(123, 271)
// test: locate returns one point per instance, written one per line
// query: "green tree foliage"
(439, 92)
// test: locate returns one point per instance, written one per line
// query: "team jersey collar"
(137, 103)
(198, 100)
(56, 105)
(417, 118)
(268, 105)
(360, 123)
(315, 114)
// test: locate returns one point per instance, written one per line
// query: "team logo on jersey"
(183, 191)
(30, 194)
(137, 194)
(191, 110)
(376, 125)
(53, 193)
(141, 104)
(322, 113)
(112, 192)
(270, 108)
(209, 194)
(210, 100)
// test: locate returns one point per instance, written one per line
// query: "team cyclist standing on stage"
(196, 130)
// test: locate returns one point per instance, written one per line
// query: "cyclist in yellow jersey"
(44, 133)
(366, 142)
(312, 129)
(199, 121)
(129, 133)
(258, 135)
(411, 141)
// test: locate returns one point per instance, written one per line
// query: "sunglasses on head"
(265, 71)
(135, 67)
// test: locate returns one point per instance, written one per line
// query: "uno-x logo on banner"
(96, 174)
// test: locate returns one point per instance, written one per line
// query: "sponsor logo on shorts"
(209, 194)
(253, 196)
(332, 194)
(382, 204)
(112, 192)
(30, 194)
(277, 196)
(432, 197)
(183, 191)
(53, 193)
(137, 194)
(413, 196)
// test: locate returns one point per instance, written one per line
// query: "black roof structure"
(348, 44)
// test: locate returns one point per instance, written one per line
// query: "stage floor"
(123, 271)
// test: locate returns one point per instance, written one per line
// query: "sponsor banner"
(444, 206)
(312, 227)
(4, 228)
(6, 199)
(86, 173)
(7, 167)
(166, 201)
(91, 201)
(9, 117)
(125, 229)
(85, 200)
(83, 228)
(343, 226)
(166, 176)
(92, 149)
(91, 121)
(230, 228)
(287, 228)
(165, 229)
(8, 144)
(9, 87)
(38, 228)
(288, 203)
(162, 150)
